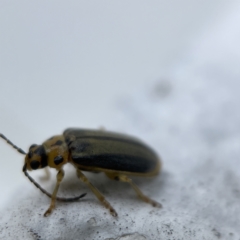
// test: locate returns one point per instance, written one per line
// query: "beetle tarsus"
(156, 204)
(113, 212)
(48, 212)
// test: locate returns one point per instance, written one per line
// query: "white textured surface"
(189, 114)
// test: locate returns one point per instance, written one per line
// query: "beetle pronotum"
(117, 155)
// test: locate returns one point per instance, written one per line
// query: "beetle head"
(36, 157)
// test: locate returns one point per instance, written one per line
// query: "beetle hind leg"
(99, 195)
(124, 178)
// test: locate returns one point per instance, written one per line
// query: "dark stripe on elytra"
(41, 152)
(115, 139)
(118, 162)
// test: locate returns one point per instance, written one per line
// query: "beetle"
(117, 155)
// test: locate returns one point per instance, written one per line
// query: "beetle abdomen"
(111, 151)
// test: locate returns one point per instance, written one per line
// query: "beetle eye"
(34, 164)
(58, 160)
(32, 146)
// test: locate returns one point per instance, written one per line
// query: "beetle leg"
(47, 174)
(60, 176)
(124, 178)
(100, 197)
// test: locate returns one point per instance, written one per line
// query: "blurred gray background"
(165, 71)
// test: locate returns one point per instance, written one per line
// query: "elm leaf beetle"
(115, 154)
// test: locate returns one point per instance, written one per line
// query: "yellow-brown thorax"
(53, 153)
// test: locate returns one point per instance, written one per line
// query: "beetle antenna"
(47, 193)
(14, 146)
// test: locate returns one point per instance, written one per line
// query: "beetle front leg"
(100, 197)
(60, 176)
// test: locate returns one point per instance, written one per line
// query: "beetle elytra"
(117, 155)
